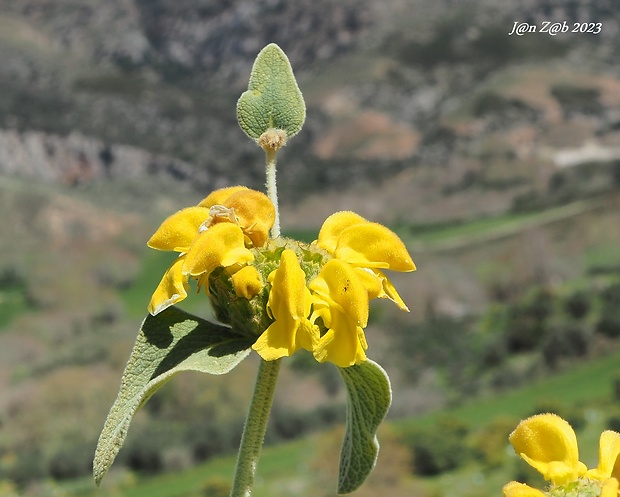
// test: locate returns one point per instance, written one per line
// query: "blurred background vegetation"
(496, 158)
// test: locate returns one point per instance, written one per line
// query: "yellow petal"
(548, 443)
(344, 344)
(255, 214)
(371, 281)
(277, 340)
(373, 245)
(247, 282)
(389, 291)
(341, 349)
(610, 488)
(172, 288)
(220, 245)
(516, 489)
(608, 452)
(338, 283)
(289, 304)
(218, 197)
(179, 230)
(333, 226)
(340, 299)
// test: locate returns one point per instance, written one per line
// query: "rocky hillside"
(77, 159)
(456, 117)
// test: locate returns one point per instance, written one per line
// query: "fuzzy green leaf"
(170, 342)
(273, 99)
(369, 397)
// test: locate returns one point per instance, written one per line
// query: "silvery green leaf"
(369, 396)
(168, 343)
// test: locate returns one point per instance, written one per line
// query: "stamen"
(217, 214)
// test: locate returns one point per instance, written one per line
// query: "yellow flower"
(548, 443)
(316, 296)
(608, 460)
(341, 301)
(359, 249)
(289, 305)
(516, 489)
(368, 247)
(218, 232)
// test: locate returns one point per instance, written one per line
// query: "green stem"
(254, 429)
(272, 190)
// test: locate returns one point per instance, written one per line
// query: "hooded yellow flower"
(289, 306)
(317, 295)
(360, 249)
(218, 232)
(548, 443)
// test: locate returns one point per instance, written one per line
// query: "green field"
(588, 385)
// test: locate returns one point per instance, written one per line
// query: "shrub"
(577, 100)
(574, 415)
(578, 304)
(616, 387)
(568, 340)
(609, 321)
(489, 444)
(216, 487)
(71, 460)
(528, 320)
(438, 448)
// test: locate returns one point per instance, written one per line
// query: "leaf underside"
(168, 343)
(369, 396)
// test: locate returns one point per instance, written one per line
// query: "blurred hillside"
(394, 89)
(496, 158)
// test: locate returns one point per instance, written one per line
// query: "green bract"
(273, 100)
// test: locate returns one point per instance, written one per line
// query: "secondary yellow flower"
(341, 301)
(360, 249)
(548, 443)
(218, 232)
(368, 247)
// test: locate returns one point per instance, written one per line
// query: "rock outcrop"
(76, 159)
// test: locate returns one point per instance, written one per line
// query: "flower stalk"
(254, 429)
(272, 189)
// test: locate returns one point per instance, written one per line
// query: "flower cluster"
(548, 443)
(307, 296)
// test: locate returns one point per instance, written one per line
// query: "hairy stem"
(254, 429)
(272, 189)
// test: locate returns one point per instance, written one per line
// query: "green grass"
(153, 266)
(276, 462)
(456, 233)
(12, 303)
(602, 258)
(585, 384)
(486, 229)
